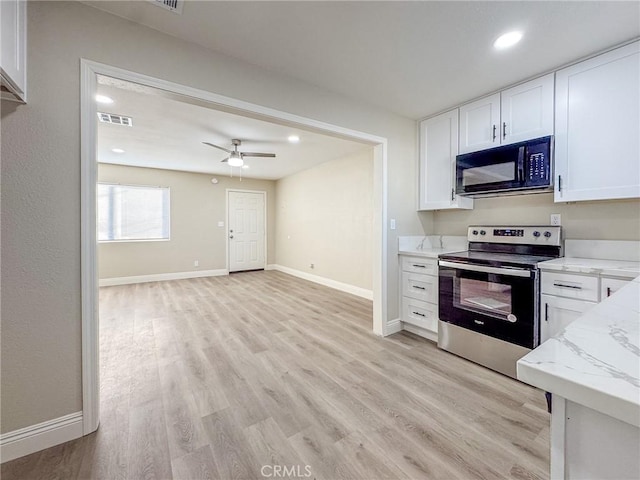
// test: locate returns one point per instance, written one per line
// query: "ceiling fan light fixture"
(235, 160)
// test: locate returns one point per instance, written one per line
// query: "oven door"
(495, 301)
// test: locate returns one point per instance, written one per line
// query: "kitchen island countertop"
(595, 361)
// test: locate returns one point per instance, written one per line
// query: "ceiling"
(168, 131)
(413, 58)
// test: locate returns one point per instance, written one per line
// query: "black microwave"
(520, 167)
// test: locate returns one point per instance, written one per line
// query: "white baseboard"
(40, 436)
(159, 277)
(393, 326)
(327, 282)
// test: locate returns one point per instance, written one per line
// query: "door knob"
(230, 236)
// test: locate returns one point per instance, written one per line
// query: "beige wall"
(196, 208)
(603, 220)
(324, 216)
(41, 317)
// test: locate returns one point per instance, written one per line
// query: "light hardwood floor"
(228, 377)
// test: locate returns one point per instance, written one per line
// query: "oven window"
(500, 172)
(484, 296)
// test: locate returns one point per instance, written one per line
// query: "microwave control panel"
(538, 164)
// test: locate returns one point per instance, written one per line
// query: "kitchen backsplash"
(603, 249)
(423, 242)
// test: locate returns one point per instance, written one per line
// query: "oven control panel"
(526, 235)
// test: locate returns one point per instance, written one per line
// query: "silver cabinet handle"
(564, 285)
(419, 266)
(478, 322)
(494, 132)
(546, 312)
(418, 313)
(608, 291)
(419, 288)
(504, 129)
(230, 236)
(453, 194)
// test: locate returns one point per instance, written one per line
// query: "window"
(127, 212)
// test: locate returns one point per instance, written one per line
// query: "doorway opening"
(90, 72)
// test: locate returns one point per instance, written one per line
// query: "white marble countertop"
(595, 361)
(431, 245)
(592, 266)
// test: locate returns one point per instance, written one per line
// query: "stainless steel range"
(488, 295)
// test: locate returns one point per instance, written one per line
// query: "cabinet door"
(526, 111)
(609, 286)
(479, 124)
(13, 31)
(557, 313)
(597, 124)
(438, 150)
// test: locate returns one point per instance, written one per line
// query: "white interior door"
(246, 234)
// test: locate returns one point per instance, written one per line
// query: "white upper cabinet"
(13, 50)
(526, 111)
(479, 122)
(597, 142)
(523, 112)
(438, 150)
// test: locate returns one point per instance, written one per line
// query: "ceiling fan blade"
(225, 160)
(258, 154)
(216, 146)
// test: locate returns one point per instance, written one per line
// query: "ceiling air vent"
(115, 119)
(174, 6)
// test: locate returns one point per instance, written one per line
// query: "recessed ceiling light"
(103, 99)
(507, 40)
(294, 138)
(246, 167)
(117, 150)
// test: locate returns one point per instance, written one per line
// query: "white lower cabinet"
(609, 286)
(419, 295)
(557, 313)
(567, 296)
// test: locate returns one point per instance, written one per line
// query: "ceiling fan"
(236, 158)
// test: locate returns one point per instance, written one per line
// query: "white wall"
(41, 322)
(196, 208)
(602, 220)
(324, 216)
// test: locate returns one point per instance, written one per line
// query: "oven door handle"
(512, 272)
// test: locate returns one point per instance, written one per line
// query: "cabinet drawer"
(609, 286)
(420, 287)
(581, 287)
(427, 266)
(419, 313)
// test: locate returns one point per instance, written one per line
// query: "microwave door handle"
(521, 152)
